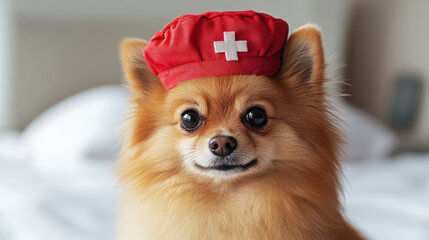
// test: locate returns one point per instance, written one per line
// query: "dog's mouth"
(228, 167)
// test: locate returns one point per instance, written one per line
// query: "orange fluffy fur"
(292, 193)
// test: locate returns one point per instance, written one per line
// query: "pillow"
(366, 138)
(80, 133)
(10, 147)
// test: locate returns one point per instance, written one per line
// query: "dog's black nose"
(222, 145)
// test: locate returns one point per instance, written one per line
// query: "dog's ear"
(139, 76)
(303, 62)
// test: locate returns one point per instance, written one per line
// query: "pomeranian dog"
(233, 157)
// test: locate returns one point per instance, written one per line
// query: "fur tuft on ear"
(138, 74)
(303, 59)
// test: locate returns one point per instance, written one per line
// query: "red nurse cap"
(216, 43)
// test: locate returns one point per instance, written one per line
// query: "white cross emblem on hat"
(229, 46)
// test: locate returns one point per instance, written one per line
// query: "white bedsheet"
(390, 199)
(36, 207)
(386, 199)
(67, 206)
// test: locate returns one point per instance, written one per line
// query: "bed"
(57, 177)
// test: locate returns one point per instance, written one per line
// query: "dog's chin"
(226, 170)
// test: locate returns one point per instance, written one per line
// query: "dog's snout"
(222, 145)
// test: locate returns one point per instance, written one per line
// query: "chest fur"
(239, 217)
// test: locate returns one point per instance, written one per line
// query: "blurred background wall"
(61, 47)
(6, 26)
(388, 40)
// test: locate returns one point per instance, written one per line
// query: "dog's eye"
(256, 117)
(190, 120)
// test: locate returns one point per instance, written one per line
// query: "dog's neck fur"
(177, 209)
